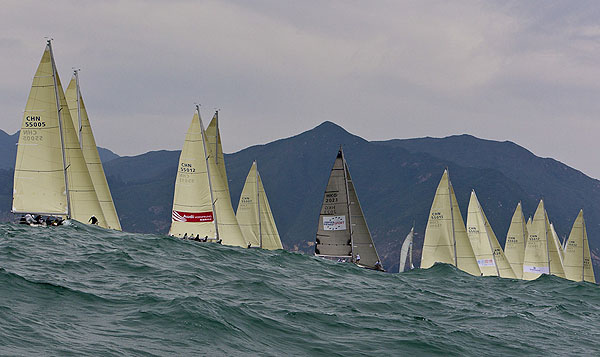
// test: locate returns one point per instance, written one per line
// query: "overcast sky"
(528, 72)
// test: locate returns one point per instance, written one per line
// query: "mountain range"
(395, 180)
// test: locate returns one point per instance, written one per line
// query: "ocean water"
(81, 290)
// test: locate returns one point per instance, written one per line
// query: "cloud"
(522, 71)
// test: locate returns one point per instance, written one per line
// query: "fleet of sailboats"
(59, 174)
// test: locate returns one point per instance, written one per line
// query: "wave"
(87, 291)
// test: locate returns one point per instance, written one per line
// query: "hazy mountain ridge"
(395, 180)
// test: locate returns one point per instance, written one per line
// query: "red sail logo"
(179, 216)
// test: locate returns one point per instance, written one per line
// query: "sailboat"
(446, 239)
(542, 254)
(196, 207)
(577, 258)
(227, 222)
(51, 177)
(487, 250)
(406, 252)
(90, 152)
(254, 214)
(516, 239)
(342, 233)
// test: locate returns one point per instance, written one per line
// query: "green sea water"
(80, 290)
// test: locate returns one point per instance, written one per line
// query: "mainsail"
(577, 259)
(193, 204)
(254, 214)
(446, 239)
(542, 250)
(406, 252)
(516, 239)
(39, 180)
(90, 152)
(489, 254)
(51, 177)
(229, 229)
(342, 231)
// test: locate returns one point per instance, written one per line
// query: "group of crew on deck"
(198, 239)
(40, 220)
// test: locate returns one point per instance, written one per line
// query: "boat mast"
(258, 203)
(348, 203)
(76, 74)
(524, 226)
(583, 243)
(60, 128)
(217, 138)
(547, 243)
(206, 158)
(452, 217)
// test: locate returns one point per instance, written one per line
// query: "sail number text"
(34, 122)
(187, 168)
(30, 135)
(331, 198)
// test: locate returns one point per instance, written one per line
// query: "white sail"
(229, 229)
(489, 254)
(254, 214)
(343, 231)
(193, 209)
(39, 179)
(90, 152)
(541, 253)
(577, 259)
(446, 239)
(406, 251)
(554, 251)
(516, 239)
